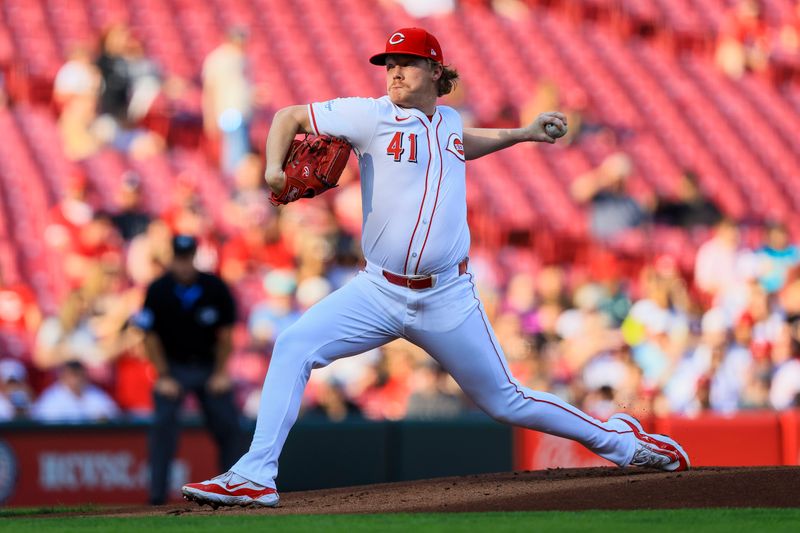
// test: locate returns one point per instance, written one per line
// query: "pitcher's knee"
(508, 407)
(497, 410)
(501, 416)
(296, 348)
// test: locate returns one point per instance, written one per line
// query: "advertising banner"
(70, 465)
(539, 451)
(762, 438)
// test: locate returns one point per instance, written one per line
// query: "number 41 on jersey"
(396, 147)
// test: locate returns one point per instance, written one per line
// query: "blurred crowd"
(739, 34)
(747, 43)
(110, 94)
(721, 338)
(657, 339)
(716, 328)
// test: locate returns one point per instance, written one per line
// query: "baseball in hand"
(554, 131)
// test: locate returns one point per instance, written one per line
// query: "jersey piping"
(424, 194)
(436, 199)
(313, 119)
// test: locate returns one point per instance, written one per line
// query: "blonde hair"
(447, 81)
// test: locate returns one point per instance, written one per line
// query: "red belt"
(420, 282)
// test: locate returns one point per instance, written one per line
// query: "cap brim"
(380, 59)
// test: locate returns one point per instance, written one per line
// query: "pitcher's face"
(410, 80)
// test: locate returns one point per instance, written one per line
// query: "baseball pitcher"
(417, 283)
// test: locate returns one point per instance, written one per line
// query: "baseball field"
(594, 499)
(711, 520)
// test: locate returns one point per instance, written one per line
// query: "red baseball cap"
(413, 42)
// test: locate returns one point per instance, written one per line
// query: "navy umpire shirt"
(186, 318)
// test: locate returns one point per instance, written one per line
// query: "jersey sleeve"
(353, 119)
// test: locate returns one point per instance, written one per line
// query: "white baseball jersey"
(413, 184)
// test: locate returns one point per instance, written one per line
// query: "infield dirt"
(555, 489)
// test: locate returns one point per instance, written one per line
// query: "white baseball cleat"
(653, 450)
(230, 489)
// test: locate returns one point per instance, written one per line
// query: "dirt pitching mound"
(546, 490)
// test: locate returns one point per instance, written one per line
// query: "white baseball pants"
(449, 323)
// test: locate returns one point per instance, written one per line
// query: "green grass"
(706, 520)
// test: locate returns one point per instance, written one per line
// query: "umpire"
(188, 317)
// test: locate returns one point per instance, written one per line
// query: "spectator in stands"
(657, 326)
(114, 70)
(742, 42)
(776, 257)
(585, 332)
(546, 339)
(551, 287)
(20, 315)
(75, 93)
(314, 256)
(188, 215)
(718, 260)
(97, 243)
(347, 259)
(427, 8)
(715, 374)
(16, 395)
(249, 188)
(349, 377)
(74, 399)
(134, 376)
(386, 396)
(7, 411)
(257, 247)
(517, 349)
(119, 61)
(228, 100)
(144, 81)
(520, 299)
(88, 326)
(766, 316)
(689, 208)
(785, 387)
(149, 253)
(663, 284)
(188, 317)
(78, 78)
(74, 210)
(654, 352)
(310, 291)
(130, 218)
(276, 312)
(784, 48)
(789, 297)
(70, 334)
(613, 210)
(612, 379)
(330, 403)
(430, 398)
(755, 394)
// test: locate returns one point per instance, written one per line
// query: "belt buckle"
(408, 282)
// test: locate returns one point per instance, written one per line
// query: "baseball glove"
(312, 166)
